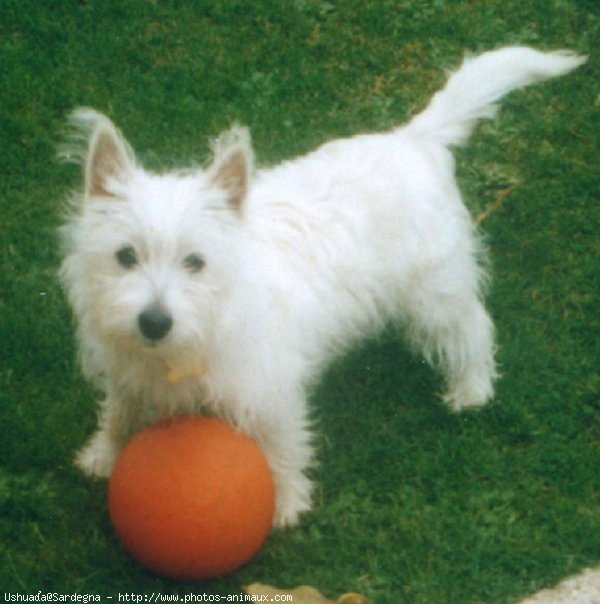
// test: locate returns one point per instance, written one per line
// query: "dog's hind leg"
(450, 326)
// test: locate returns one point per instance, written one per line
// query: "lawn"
(415, 505)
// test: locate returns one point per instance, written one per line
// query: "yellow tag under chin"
(176, 374)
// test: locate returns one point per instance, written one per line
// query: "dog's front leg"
(98, 455)
(289, 452)
(281, 429)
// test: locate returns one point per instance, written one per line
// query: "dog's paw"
(472, 391)
(97, 457)
(293, 499)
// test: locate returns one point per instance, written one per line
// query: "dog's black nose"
(155, 323)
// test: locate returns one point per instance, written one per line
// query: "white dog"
(228, 290)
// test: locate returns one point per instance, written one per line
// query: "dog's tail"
(471, 92)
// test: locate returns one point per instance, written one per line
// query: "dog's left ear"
(233, 165)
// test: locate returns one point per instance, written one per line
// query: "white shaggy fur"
(261, 277)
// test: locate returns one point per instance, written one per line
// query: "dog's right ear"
(104, 153)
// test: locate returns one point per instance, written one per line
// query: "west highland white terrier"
(228, 290)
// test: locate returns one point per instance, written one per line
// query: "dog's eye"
(194, 263)
(126, 257)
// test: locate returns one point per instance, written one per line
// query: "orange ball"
(191, 497)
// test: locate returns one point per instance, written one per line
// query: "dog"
(228, 289)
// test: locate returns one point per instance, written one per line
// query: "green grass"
(414, 505)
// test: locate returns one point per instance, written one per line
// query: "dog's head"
(150, 257)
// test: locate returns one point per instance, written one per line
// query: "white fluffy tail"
(471, 92)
